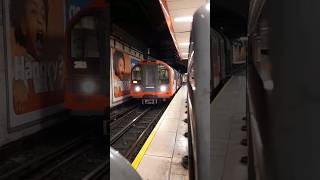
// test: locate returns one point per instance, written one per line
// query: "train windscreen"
(136, 73)
(85, 54)
(149, 75)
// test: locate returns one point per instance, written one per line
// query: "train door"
(149, 77)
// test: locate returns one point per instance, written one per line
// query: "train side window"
(136, 73)
(190, 76)
(163, 74)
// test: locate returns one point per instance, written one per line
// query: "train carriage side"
(228, 55)
(178, 80)
(215, 56)
(258, 95)
(199, 125)
(217, 52)
(222, 55)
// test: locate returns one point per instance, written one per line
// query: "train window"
(84, 46)
(190, 76)
(163, 74)
(84, 40)
(136, 73)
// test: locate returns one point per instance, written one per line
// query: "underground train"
(153, 81)
(217, 52)
(221, 60)
(120, 168)
(259, 88)
(282, 90)
(199, 76)
(87, 54)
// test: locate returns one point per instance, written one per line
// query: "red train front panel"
(86, 78)
(153, 81)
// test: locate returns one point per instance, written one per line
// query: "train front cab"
(87, 52)
(152, 81)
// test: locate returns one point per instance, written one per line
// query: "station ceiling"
(181, 13)
(230, 17)
(144, 19)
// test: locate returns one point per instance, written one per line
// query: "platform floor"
(228, 109)
(161, 156)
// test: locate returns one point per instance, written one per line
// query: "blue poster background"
(134, 61)
(72, 7)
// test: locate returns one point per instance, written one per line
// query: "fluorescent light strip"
(184, 44)
(183, 19)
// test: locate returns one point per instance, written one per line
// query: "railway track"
(125, 112)
(84, 157)
(122, 110)
(99, 173)
(130, 132)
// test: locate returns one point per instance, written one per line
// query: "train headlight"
(137, 88)
(88, 86)
(163, 88)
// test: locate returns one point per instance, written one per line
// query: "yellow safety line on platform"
(144, 148)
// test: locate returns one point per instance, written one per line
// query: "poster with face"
(121, 69)
(35, 31)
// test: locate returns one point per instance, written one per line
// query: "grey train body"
(210, 64)
(120, 168)
(198, 96)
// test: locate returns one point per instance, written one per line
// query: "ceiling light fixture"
(208, 6)
(184, 44)
(183, 19)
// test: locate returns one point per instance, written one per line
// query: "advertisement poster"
(121, 69)
(35, 31)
